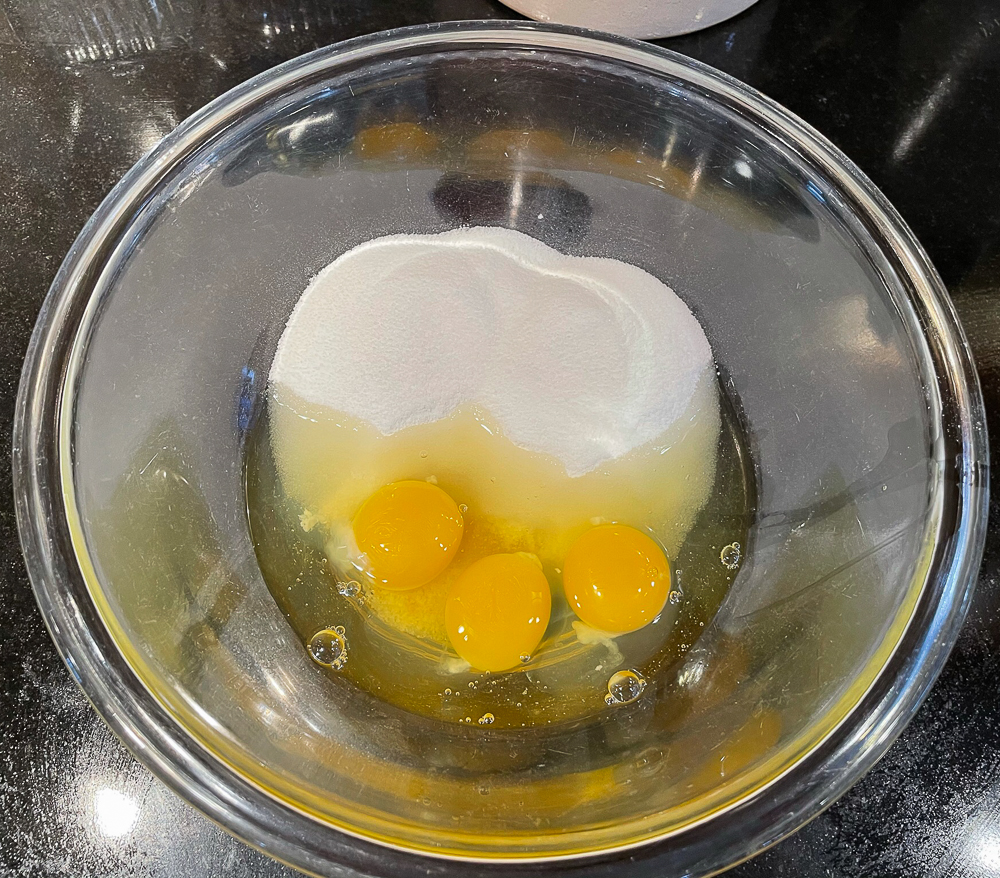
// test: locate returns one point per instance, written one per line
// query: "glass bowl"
(847, 373)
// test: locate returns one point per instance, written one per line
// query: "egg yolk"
(616, 578)
(497, 611)
(407, 533)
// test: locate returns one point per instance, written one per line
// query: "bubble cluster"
(624, 687)
(329, 648)
(730, 556)
(350, 588)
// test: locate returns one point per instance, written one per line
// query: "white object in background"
(644, 19)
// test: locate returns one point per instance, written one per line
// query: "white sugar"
(580, 358)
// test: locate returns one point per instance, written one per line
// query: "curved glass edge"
(256, 817)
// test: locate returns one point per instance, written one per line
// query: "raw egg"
(407, 533)
(616, 578)
(497, 611)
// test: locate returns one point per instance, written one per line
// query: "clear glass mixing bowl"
(830, 328)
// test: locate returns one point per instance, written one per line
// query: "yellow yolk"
(407, 533)
(616, 578)
(498, 610)
(395, 140)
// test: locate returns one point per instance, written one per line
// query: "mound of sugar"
(580, 358)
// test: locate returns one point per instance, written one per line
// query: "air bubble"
(730, 556)
(447, 691)
(472, 684)
(674, 597)
(624, 687)
(486, 719)
(329, 648)
(349, 589)
(423, 455)
(463, 508)
(525, 659)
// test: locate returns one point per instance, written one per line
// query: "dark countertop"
(910, 89)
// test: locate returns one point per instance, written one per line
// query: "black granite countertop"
(909, 89)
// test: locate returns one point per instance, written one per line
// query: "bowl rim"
(282, 831)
